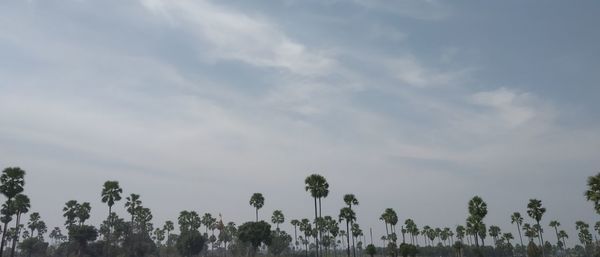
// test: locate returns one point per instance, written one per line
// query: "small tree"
(371, 250)
(255, 233)
(190, 243)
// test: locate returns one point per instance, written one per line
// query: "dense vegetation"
(324, 235)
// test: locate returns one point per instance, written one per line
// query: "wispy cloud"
(235, 35)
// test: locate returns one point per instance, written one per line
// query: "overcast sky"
(413, 105)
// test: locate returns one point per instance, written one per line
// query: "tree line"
(135, 235)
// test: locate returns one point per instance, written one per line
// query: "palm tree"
(477, 211)
(257, 201)
(111, 193)
(563, 235)
(207, 221)
(555, 224)
(349, 216)
(168, 227)
(319, 188)
(12, 182)
(21, 205)
(593, 192)
(133, 204)
(277, 218)
(536, 212)
(34, 221)
(494, 233)
(295, 223)
(350, 200)
(516, 218)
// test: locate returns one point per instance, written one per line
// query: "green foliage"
(533, 250)
(280, 242)
(190, 243)
(33, 246)
(592, 194)
(371, 250)
(255, 233)
(82, 235)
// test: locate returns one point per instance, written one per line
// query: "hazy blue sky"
(415, 105)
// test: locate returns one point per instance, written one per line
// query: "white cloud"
(410, 71)
(509, 105)
(237, 36)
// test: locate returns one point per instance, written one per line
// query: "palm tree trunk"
(348, 236)
(317, 226)
(16, 239)
(109, 228)
(542, 241)
(3, 239)
(256, 219)
(353, 247)
(519, 230)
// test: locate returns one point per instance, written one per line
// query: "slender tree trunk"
(109, 228)
(316, 225)
(348, 236)
(295, 238)
(541, 240)
(256, 219)
(319, 229)
(353, 247)
(3, 239)
(16, 239)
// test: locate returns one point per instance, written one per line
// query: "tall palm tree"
(349, 216)
(350, 200)
(132, 204)
(277, 218)
(536, 212)
(319, 188)
(168, 227)
(12, 182)
(494, 232)
(563, 235)
(516, 218)
(593, 192)
(295, 223)
(111, 193)
(21, 206)
(477, 211)
(555, 224)
(257, 201)
(207, 220)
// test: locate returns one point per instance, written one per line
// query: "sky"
(411, 105)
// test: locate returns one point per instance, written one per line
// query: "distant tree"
(21, 205)
(371, 250)
(81, 235)
(536, 212)
(494, 232)
(555, 224)
(319, 188)
(277, 218)
(168, 227)
(12, 182)
(255, 233)
(190, 243)
(516, 218)
(111, 193)
(533, 250)
(295, 223)
(477, 212)
(348, 215)
(280, 242)
(257, 201)
(207, 220)
(33, 245)
(592, 194)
